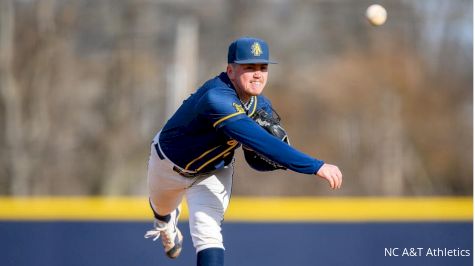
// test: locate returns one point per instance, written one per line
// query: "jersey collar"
(224, 78)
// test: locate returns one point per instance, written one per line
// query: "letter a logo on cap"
(256, 49)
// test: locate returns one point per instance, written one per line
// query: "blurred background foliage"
(85, 85)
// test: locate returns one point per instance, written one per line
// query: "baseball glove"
(271, 123)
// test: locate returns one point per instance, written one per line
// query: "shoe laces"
(160, 229)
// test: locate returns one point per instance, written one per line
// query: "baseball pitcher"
(193, 154)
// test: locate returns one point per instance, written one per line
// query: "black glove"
(271, 123)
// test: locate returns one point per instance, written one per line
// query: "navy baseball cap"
(249, 50)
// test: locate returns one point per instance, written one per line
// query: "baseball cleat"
(172, 239)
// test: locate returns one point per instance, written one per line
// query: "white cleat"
(172, 239)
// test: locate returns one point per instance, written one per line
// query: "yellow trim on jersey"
(237, 113)
(246, 209)
(225, 151)
(233, 144)
(201, 156)
(227, 117)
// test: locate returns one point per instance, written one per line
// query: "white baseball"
(376, 15)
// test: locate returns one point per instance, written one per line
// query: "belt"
(177, 169)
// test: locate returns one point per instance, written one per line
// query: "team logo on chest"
(256, 49)
(238, 108)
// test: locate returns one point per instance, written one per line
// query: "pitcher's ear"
(230, 71)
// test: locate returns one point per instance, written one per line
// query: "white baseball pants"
(207, 198)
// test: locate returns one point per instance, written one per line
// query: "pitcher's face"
(248, 79)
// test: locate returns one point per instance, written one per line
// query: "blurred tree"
(83, 88)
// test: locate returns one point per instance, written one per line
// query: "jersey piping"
(234, 144)
(227, 117)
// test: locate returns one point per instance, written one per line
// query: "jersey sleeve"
(249, 134)
(220, 108)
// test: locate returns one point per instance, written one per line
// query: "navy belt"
(176, 169)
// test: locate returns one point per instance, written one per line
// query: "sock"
(165, 218)
(210, 257)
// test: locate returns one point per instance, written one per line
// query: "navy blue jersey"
(204, 132)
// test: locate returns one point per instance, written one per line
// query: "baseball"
(376, 15)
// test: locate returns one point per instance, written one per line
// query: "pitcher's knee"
(205, 230)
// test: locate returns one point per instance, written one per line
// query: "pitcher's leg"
(210, 257)
(166, 188)
(208, 200)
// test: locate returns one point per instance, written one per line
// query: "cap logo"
(256, 49)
